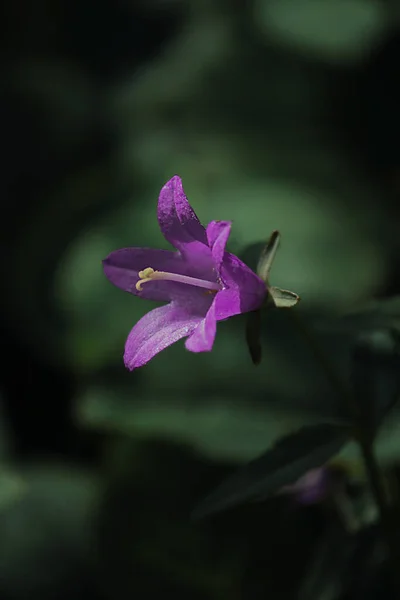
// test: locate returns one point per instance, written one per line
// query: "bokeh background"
(277, 114)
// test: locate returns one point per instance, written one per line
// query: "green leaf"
(253, 335)
(288, 460)
(234, 429)
(45, 529)
(268, 255)
(327, 29)
(283, 298)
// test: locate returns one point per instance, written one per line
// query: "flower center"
(150, 274)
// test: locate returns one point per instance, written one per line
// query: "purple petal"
(177, 219)
(122, 267)
(157, 330)
(311, 488)
(227, 303)
(217, 236)
(202, 338)
(244, 290)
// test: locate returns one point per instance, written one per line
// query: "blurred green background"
(277, 114)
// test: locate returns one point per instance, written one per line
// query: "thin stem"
(389, 529)
(365, 441)
(374, 475)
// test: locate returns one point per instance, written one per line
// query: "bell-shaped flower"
(201, 282)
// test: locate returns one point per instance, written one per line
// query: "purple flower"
(310, 488)
(318, 484)
(201, 282)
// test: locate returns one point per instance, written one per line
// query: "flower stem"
(365, 441)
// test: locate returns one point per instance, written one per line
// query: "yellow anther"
(145, 275)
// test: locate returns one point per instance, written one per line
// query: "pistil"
(150, 274)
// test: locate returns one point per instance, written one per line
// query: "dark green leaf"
(268, 255)
(289, 459)
(253, 336)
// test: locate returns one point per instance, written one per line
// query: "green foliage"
(283, 464)
(331, 30)
(46, 530)
(241, 103)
